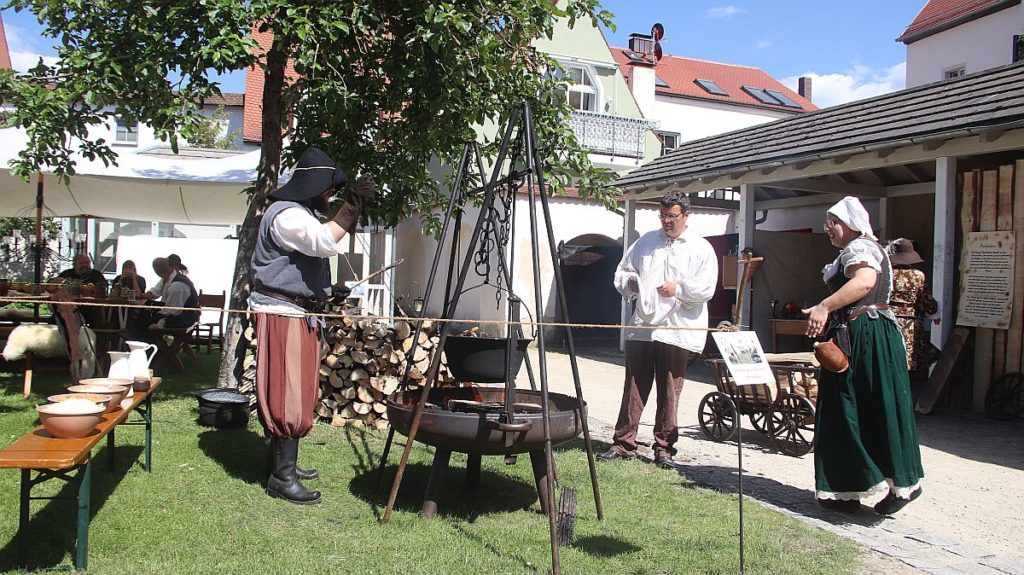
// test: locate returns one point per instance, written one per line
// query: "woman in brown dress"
(910, 302)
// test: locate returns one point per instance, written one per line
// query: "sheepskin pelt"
(44, 340)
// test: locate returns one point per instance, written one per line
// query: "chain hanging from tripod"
(497, 226)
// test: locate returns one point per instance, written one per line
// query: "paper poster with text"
(744, 357)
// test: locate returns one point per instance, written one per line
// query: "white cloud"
(857, 83)
(724, 12)
(765, 44)
(25, 52)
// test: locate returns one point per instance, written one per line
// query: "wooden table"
(55, 458)
(787, 327)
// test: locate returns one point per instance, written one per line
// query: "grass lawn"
(203, 509)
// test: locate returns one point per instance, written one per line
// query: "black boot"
(283, 482)
(305, 474)
(302, 474)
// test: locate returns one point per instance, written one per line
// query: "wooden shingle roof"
(972, 104)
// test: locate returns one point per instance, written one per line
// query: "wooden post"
(745, 225)
(1013, 336)
(628, 233)
(944, 274)
(1004, 222)
(984, 338)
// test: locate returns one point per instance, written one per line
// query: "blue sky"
(848, 48)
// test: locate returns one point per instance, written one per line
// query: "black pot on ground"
(223, 408)
(482, 359)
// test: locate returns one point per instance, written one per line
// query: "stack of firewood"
(362, 363)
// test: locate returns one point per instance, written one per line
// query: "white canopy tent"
(140, 187)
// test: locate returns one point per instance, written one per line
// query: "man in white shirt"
(669, 274)
(290, 280)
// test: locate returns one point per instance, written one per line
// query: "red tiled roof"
(227, 99)
(680, 73)
(936, 13)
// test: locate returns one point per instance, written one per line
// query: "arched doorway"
(588, 265)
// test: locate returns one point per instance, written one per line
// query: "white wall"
(695, 119)
(571, 217)
(977, 45)
(147, 138)
(211, 263)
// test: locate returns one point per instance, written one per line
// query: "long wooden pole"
(38, 252)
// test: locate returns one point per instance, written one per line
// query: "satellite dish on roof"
(657, 52)
(657, 31)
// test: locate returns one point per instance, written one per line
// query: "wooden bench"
(169, 342)
(54, 458)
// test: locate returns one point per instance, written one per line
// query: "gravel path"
(967, 521)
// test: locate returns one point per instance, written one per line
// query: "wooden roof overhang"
(880, 147)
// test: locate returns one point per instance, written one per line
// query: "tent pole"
(38, 252)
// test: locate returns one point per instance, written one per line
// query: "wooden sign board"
(986, 280)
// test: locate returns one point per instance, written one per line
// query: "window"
(761, 96)
(953, 72)
(658, 82)
(125, 133)
(669, 141)
(782, 97)
(710, 87)
(581, 90)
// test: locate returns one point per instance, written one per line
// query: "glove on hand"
(362, 192)
(339, 293)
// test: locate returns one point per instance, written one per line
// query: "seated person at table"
(129, 279)
(177, 292)
(84, 272)
(155, 292)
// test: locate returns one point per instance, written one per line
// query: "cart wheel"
(759, 419)
(717, 416)
(566, 516)
(791, 424)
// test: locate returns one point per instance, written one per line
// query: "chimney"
(641, 43)
(804, 87)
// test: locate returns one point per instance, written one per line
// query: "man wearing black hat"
(290, 280)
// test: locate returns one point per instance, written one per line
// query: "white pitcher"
(119, 367)
(138, 359)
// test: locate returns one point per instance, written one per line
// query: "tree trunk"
(232, 355)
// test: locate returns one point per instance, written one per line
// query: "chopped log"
(364, 395)
(360, 356)
(359, 375)
(402, 330)
(346, 360)
(324, 371)
(331, 361)
(336, 380)
(361, 408)
(349, 392)
(380, 408)
(390, 385)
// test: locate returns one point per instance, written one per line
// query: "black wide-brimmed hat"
(176, 260)
(314, 174)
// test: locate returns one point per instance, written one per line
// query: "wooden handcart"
(784, 412)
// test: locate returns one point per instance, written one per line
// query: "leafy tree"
(207, 133)
(385, 87)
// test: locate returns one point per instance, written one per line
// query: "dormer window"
(581, 88)
(126, 133)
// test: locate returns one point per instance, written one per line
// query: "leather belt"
(867, 308)
(303, 302)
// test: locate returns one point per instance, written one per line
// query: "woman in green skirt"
(865, 435)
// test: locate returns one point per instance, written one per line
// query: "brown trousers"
(647, 363)
(287, 374)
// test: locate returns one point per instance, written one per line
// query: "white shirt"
(175, 294)
(296, 230)
(690, 262)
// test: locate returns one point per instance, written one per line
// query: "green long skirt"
(865, 435)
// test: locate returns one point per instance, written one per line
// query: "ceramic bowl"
(97, 398)
(127, 382)
(115, 392)
(74, 424)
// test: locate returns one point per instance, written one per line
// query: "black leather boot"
(283, 482)
(302, 474)
(305, 474)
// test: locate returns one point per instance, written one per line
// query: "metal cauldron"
(481, 432)
(482, 359)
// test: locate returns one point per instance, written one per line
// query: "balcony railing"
(612, 135)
